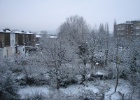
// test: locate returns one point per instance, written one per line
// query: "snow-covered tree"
(55, 52)
(101, 41)
(8, 87)
(75, 30)
(92, 47)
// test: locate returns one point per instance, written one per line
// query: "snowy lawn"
(124, 88)
(76, 89)
(103, 86)
(29, 90)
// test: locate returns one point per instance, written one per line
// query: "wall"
(1, 54)
(8, 51)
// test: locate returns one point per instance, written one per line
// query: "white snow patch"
(20, 76)
(92, 88)
(38, 35)
(29, 33)
(101, 72)
(18, 32)
(97, 63)
(54, 37)
(29, 90)
(123, 87)
(76, 89)
(37, 44)
(116, 96)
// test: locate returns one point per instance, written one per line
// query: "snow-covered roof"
(7, 31)
(18, 32)
(29, 33)
(38, 35)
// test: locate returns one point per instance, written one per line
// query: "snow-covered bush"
(8, 87)
(78, 78)
(87, 95)
(67, 75)
(64, 78)
(20, 78)
(90, 95)
(4, 66)
(38, 79)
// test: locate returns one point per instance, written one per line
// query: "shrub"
(8, 87)
(65, 82)
(36, 80)
(87, 95)
(90, 95)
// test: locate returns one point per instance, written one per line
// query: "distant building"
(15, 42)
(129, 28)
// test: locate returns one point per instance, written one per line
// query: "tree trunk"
(58, 83)
(117, 78)
(106, 60)
(84, 74)
(92, 65)
(107, 49)
(117, 69)
(57, 78)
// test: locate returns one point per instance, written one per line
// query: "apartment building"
(129, 28)
(15, 42)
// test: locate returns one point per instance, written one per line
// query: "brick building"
(129, 28)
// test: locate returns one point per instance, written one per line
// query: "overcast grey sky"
(36, 15)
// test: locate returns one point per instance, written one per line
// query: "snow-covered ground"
(124, 88)
(103, 86)
(29, 90)
(76, 89)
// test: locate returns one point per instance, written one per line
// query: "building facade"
(15, 42)
(129, 28)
